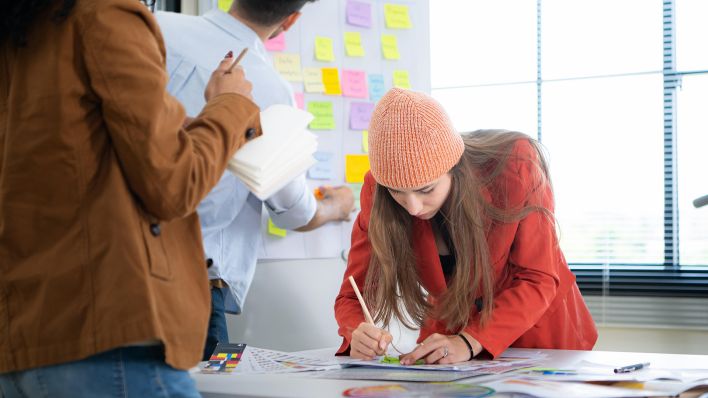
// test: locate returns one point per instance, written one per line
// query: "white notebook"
(284, 151)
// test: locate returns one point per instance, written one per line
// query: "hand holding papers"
(284, 151)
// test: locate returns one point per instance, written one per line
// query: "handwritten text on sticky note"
(354, 83)
(360, 115)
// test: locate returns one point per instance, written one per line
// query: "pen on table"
(237, 60)
(632, 368)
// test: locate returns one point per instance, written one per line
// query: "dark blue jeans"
(217, 332)
(123, 372)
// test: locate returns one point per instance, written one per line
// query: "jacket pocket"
(156, 253)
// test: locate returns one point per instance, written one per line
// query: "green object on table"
(388, 359)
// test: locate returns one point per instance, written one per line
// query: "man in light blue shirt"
(230, 215)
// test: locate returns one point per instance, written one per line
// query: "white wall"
(290, 308)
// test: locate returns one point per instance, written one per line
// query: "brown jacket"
(99, 243)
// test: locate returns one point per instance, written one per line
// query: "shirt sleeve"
(293, 206)
(168, 167)
(532, 265)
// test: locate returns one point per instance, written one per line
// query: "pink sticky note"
(359, 13)
(354, 84)
(300, 100)
(277, 43)
(360, 115)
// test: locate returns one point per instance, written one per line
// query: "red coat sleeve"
(533, 262)
(347, 310)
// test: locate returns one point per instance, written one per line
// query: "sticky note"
(356, 190)
(288, 65)
(275, 231)
(354, 83)
(277, 43)
(355, 167)
(323, 111)
(389, 47)
(313, 80)
(322, 170)
(300, 100)
(330, 79)
(360, 115)
(359, 13)
(352, 44)
(324, 48)
(365, 141)
(401, 79)
(224, 5)
(377, 89)
(397, 17)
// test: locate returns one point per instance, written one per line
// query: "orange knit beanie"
(411, 140)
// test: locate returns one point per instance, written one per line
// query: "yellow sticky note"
(365, 141)
(288, 65)
(275, 231)
(224, 5)
(323, 111)
(401, 79)
(355, 167)
(389, 47)
(324, 48)
(352, 44)
(313, 80)
(397, 16)
(330, 79)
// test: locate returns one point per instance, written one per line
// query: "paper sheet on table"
(553, 389)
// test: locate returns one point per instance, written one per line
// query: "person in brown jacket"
(103, 286)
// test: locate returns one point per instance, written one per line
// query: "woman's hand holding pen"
(442, 349)
(228, 78)
(368, 341)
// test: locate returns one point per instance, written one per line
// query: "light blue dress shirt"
(230, 215)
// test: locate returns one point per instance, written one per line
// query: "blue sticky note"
(376, 87)
(322, 170)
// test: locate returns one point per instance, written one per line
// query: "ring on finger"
(445, 352)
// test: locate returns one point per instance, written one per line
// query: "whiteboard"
(328, 18)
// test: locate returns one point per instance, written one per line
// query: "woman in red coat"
(456, 236)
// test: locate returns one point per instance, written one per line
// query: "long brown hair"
(392, 286)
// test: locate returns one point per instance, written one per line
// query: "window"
(622, 111)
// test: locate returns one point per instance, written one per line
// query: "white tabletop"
(302, 385)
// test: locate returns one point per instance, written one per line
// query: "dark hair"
(269, 12)
(17, 17)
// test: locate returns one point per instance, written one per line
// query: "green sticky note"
(275, 231)
(323, 111)
(389, 359)
(224, 5)
(356, 191)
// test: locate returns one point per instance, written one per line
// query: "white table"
(301, 385)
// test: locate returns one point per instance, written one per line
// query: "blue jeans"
(122, 372)
(216, 332)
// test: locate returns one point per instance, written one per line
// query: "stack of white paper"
(283, 152)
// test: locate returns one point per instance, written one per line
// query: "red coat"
(537, 303)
